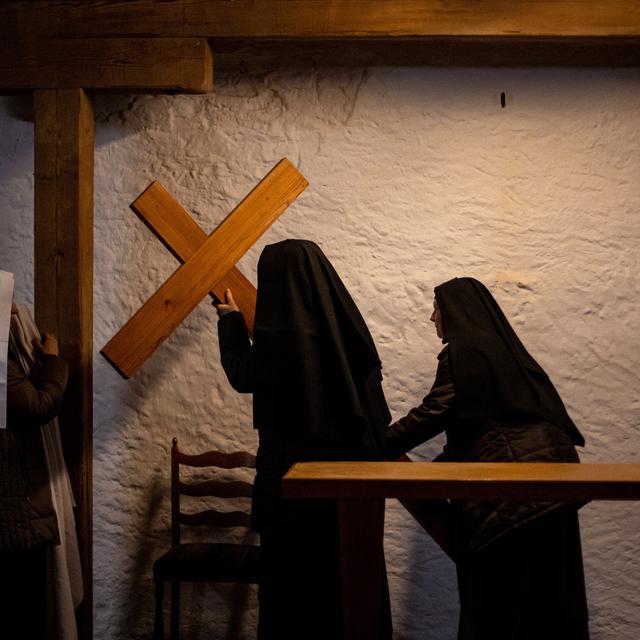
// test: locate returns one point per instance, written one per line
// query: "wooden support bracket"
(137, 64)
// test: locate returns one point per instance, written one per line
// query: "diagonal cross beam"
(204, 268)
(182, 236)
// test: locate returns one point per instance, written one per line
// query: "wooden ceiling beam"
(321, 19)
(239, 55)
(137, 64)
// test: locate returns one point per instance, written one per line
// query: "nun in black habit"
(316, 377)
(519, 564)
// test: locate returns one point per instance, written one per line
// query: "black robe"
(519, 564)
(316, 378)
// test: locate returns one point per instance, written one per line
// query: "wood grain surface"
(471, 480)
(182, 236)
(182, 292)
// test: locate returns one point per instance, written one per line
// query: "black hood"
(317, 365)
(493, 373)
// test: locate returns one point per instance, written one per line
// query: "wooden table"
(361, 488)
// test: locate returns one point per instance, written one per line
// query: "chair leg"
(158, 621)
(175, 610)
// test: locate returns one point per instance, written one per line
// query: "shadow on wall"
(20, 107)
(143, 551)
(238, 602)
(432, 589)
(199, 600)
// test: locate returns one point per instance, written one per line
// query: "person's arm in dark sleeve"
(427, 420)
(236, 351)
(36, 401)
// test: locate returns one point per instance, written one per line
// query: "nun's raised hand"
(227, 306)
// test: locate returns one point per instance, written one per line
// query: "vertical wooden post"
(64, 134)
(361, 565)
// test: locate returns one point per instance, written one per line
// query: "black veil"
(493, 373)
(318, 373)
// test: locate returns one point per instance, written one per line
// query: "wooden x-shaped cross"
(208, 261)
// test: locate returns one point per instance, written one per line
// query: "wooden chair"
(203, 561)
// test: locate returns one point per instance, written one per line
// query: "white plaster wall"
(416, 175)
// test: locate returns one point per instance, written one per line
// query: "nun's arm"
(236, 351)
(425, 421)
(36, 402)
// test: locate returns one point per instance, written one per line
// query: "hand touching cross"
(208, 261)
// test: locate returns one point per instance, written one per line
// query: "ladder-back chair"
(203, 561)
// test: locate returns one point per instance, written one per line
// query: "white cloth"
(6, 298)
(66, 572)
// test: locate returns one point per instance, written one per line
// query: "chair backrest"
(215, 487)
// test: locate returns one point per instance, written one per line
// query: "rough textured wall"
(416, 175)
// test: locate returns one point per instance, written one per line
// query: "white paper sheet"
(6, 298)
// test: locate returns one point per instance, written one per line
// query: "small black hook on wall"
(503, 100)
